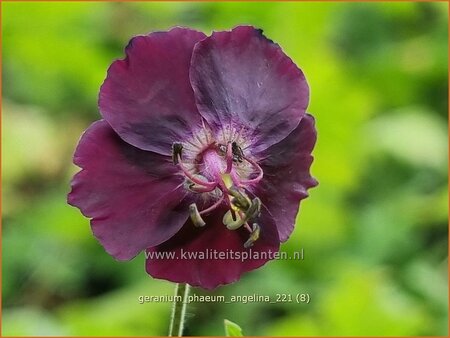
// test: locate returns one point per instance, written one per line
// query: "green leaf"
(232, 329)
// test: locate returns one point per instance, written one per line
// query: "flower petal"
(133, 196)
(210, 271)
(287, 177)
(147, 97)
(244, 79)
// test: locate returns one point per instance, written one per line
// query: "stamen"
(200, 189)
(237, 152)
(240, 200)
(176, 152)
(258, 169)
(253, 236)
(229, 158)
(195, 216)
(252, 212)
(200, 141)
(210, 161)
(246, 226)
(212, 207)
(228, 218)
(254, 209)
(237, 139)
(227, 181)
(222, 149)
(208, 141)
(194, 179)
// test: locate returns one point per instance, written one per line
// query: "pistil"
(219, 173)
(196, 219)
(258, 170)
(206, 184)
(212, 207)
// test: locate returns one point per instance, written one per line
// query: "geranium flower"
(204, 147)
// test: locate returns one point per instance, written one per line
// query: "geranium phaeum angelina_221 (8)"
(204, 146)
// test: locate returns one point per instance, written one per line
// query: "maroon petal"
(214, 237)
(147, 97)
(287, 177)
(133, 196)
(242, 78)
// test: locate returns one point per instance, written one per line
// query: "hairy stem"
(178, 310)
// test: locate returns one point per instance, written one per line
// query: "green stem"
(178, 310)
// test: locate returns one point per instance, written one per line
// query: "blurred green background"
(374, 231)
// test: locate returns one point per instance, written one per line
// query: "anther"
(254, 209)
(237, 152)
(228, 218)
(176, 151)
(254, 235)
(222, 149)
(195, 216)
(252, 212)
(240, 199)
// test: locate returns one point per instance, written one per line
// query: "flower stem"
(178, 310)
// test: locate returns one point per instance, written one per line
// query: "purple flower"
(204, 149)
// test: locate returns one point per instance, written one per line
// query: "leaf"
(232, 329)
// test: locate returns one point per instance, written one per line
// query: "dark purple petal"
(210, 273)
(243, 79)
(133, 196)
(147, 97)
(287, 177)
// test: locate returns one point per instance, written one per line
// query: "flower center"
(222, 173)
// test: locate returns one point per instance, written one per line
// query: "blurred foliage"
(232, 329)
(374, 231)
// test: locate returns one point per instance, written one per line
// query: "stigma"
(222, 172)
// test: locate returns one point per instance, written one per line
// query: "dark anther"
(176, 150)
(222, 149)
(254, 235)
(238, 154)
(195, 216)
